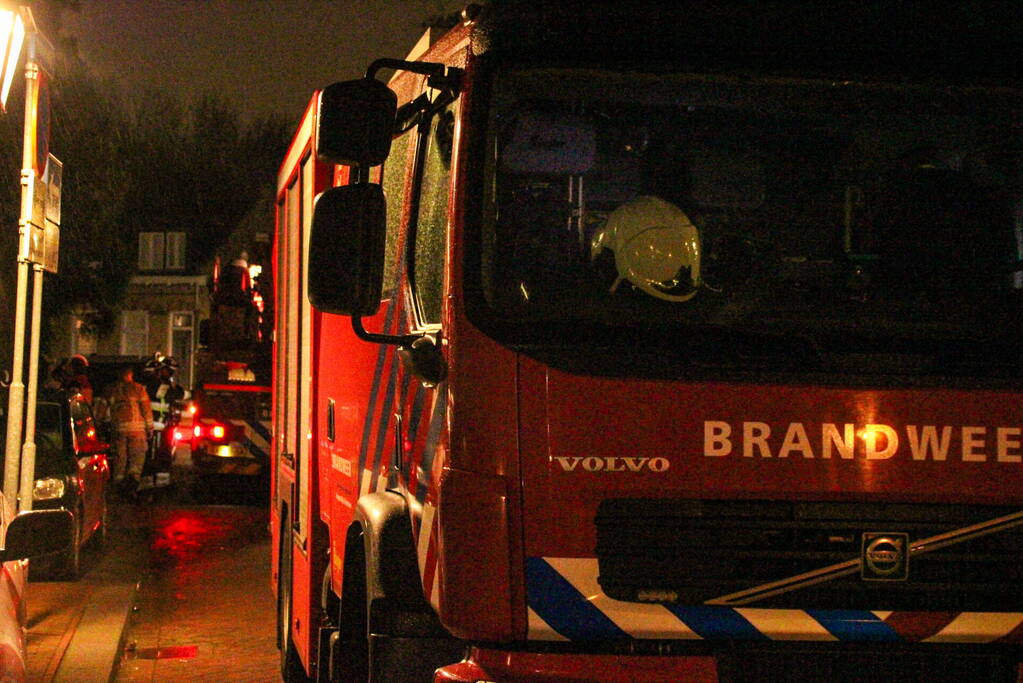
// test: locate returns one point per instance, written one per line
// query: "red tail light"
(213, 431)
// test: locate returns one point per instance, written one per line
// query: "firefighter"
(77, 379)
(235, 287)
(162, 387)
(72, 375)
(165, 396)
(131, 418)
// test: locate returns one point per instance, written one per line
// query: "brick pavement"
(205, 611)
(62, 616)
(54, 609)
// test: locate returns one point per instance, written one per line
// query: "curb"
(92, 653)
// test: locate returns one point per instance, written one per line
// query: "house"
(161, 310)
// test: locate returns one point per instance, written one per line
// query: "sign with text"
(45, 221)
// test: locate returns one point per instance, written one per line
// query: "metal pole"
(16, 398)
(28, 451)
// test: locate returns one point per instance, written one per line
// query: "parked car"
(29, 534)
(71, 473)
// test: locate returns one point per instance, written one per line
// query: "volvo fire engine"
(656, 342)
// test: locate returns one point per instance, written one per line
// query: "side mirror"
(346, 250)
(355, 122)
(37, 532)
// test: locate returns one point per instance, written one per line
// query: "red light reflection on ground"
(186, 541)
(177, 652)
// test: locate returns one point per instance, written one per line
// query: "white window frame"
(152, 250)
(131, 323)
(183, 372)
(162, 250)
(77, 338)
(174, 251)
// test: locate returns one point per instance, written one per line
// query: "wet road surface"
(204, 610)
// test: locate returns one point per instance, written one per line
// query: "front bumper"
(501, 666)
(735, 663)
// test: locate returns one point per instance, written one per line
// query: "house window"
(134, 333)
(175, 251)
(151, 249)
(83, 341)
(181, 343)
(161, 251)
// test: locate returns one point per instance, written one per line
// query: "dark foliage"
(142, 162)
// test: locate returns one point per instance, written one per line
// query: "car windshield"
(855, 218)
(49, 436)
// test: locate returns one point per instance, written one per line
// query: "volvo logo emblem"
(884, 556)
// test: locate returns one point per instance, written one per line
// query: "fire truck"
(227, 424)
(636, 342)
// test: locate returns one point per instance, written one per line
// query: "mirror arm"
(402, 340)
(439, 77)
(432, 69)
(410, 114)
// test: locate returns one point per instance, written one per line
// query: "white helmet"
(654, 243)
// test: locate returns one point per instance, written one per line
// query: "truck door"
(420, 410)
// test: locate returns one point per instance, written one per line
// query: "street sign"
(54, 173)
(44, 247)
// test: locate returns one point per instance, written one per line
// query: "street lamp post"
(14, 27)
(19, 457)
(12, 32)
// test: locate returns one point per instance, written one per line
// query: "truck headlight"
(48, 488)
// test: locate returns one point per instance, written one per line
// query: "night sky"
(264, 55)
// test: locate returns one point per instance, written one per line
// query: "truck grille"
(691, 551)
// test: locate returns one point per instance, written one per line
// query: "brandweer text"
(870, 441)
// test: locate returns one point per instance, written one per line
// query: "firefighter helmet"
(656, 248)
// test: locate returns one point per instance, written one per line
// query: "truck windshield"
(863, 221)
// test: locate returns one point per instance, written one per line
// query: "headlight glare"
(48, 488)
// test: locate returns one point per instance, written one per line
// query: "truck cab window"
(428, 274)
(394, 191)
(863, 213)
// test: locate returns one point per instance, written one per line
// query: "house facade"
(160, 312)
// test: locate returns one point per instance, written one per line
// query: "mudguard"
(406, 639)
(394, 589)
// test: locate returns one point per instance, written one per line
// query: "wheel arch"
(392, 568)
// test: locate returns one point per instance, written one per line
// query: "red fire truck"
(628, 342)
(228, 421)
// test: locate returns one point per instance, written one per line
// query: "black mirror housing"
(346, 250)
(37, 532)
(355, 122)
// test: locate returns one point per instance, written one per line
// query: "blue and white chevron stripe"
(567, 603)
(257, 437)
